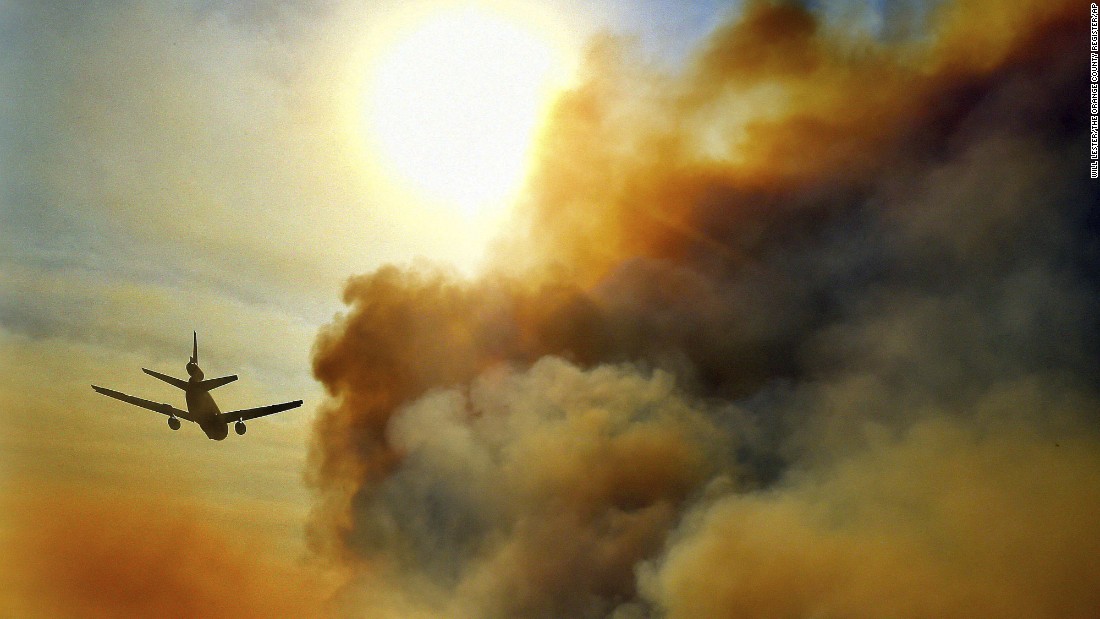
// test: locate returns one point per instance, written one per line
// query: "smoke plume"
(806, 329)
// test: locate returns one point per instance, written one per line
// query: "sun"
(453, 103)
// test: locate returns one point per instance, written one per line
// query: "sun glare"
(454, 100)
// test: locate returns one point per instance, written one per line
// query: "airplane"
(201, 408)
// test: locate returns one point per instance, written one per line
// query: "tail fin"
(195, 349)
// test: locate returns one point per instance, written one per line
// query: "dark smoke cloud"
(807, 330)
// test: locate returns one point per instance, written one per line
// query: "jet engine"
(193, 371)
(239, 428)
(173, 423)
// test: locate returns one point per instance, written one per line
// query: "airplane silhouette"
(201, 408)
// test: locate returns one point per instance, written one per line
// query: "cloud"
(196, 144)
(804, 329)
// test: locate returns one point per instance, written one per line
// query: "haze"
(792, 314)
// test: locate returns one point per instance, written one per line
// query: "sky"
(618, 309)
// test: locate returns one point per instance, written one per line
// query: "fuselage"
(202, 407)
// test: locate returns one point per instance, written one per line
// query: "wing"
(164, 409)
(252, 413)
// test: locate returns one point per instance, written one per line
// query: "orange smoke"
(74, 554)
(748, 351)
(942, 523)
(774, 105)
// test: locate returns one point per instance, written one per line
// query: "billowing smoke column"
(807, 330)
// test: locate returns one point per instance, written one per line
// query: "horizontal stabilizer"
(214, 383)
(252, 413)
(171, 380)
